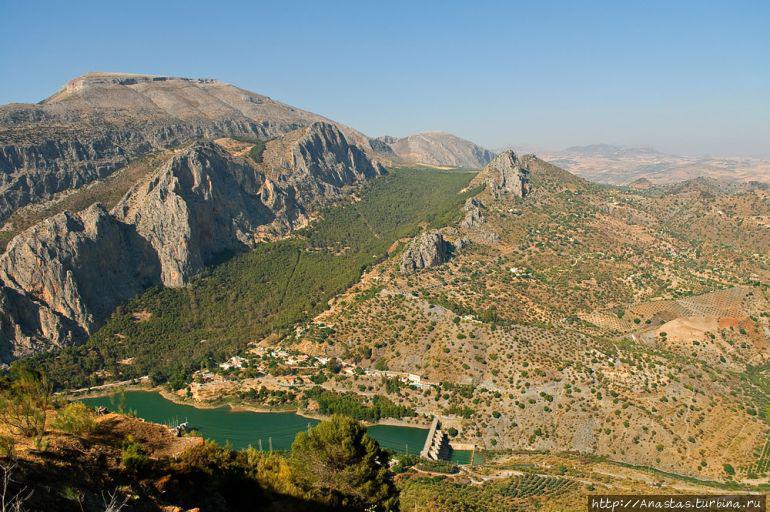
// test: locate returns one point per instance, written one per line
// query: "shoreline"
(234, 407)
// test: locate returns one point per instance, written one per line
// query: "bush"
(75, 418)
(7, 446)
(338, 464)
(356, 406)
(404, 462)
(24, 405)
(439, 466)
(134, 457)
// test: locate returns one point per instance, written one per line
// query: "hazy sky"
(687, 77)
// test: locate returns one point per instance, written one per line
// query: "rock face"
(473, 213)
(426, 250)
(200, 204)
(66, 275)
(99, 122)
(63, 277)
(505, 176)
(203, 204)
(435, 148)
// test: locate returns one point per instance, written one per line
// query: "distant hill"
(622, 165)
(437, 149)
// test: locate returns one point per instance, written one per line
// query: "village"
(284, 372)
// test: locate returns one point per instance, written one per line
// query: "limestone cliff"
(434, 149)
(199, 205)
(64, 276)
(473, 213)
(505, 176)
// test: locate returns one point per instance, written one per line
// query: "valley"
(577, 316)
(277, 276)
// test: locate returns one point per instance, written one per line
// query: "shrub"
(7, 446)
(439, 466)
(75, 418)
(134, 457)
(24, 405)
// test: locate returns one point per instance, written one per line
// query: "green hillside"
(172, 332)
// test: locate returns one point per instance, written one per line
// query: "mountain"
(436, 149)
(265, 257)
(99, 122)
(622, 165)
(576, 317)
(524, 307)
(64, 276)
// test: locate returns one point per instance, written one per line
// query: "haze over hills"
(622, 165)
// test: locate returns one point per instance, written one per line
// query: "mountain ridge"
(622, 165)
(435, 148)
(98, 123)
(199, 206)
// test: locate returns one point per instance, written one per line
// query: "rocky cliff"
(66, 275)
(506, 175)
(435, 149)
(63, 277)
(428, 249)
(473, 215)
(99, 122)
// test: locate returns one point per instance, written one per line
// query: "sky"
(687, 77)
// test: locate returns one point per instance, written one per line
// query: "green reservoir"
(244, 428)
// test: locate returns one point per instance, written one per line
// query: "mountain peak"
(95, 79)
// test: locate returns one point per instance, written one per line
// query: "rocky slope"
(99, 122)
(64, 276)
(426, 250)
(506, 175)
(599, 320)
(434, 149)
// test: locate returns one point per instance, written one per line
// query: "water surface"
(262, 430)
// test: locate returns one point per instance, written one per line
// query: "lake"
(263, 430)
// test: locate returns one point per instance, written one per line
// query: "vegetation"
(24, 404)
(264, 291)
(438, 494)
(334, 465)
(134, 456)
(338, 464)
(255, 153)
(438, 466)
(75, 418)
(356, 406)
